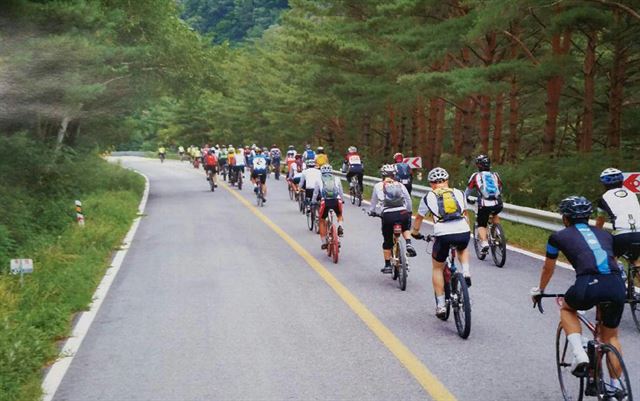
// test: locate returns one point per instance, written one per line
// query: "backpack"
(403, 172)
(310, 155)
(329, 187)
(448, 207)
(393, 195)
(488, 186)
(211, 160)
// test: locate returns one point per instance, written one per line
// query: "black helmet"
(483, 162)
(576, 207)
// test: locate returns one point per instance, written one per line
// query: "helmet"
(576, 207)
(274, 146)
(298, 156)
(310, 163)
(611, 176)
(258, 150)
(290, 147)
(217, 146)
(307, 146)
(265, 149)
(438, 174)
(320, 149)
(483, 162)
(352, 149)
(231, 149)
(398, 157)
(326, 169)
(212, 152)
(387, 170)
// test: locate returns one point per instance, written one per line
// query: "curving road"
(218, 301)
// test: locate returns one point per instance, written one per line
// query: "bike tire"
(633, 295)
(395, 251)
(316, 221)
(352, 195)
(603, 377)
(403, 271)
(291, 194)
(334, 244)
(572, 387)
(239, 183)
(476, 243)
(461, 305)
(498, 245)
(310, 219)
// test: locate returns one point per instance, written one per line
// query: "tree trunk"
(485, 123)
(393, 128)
(403, 133)
(496, 152)
(468, 117)
(586, 133)
(62, 131)
(439, 132)
(422, 129)
(366, 131)
(514, 102)
(414, 132)
(457, 132)
(431, 133)
(616, 92)
(560, 46)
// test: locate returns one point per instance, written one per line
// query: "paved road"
(212, 304)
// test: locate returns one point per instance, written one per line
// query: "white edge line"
(56, 373)
(509, 247)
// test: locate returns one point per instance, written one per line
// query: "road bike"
(332, 238)
(633, 283)
(300, 195)
(497, 242)
(162, 157)
(399, 262)
(456, 293)
(276, 169)
(596, 381)
(292, 190)
(259, 194)
(354, 191)
(312, 216)
(210, 175)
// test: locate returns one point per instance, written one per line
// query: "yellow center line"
(427, 380)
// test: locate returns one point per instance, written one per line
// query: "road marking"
(427, 380)
(54, 376)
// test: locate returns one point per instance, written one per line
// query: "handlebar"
(537, 301)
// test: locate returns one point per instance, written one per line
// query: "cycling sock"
(616, 383)
(408, 241)
(465, 269)
(387, 262)
(440, 300)
(575, 340)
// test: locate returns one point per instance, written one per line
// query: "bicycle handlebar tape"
(79, 214)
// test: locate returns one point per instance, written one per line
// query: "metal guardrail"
(510, 212)
(128, 153)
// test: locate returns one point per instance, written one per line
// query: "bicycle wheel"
(239, 180)
(603, 374)
(310, 219)
(352, 195)
(395, 251)
(572, 387)
(334, 244)
(291, 193)
(476, 243)
(498, 245)
(402, 264)
(461, 304)
(316, 221)
(633, 296)
(359, 196)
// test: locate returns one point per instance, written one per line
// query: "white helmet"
(438, 174)
(352, 149)
(388, 170)
(326, 169)
(310, 163)
(611, 176)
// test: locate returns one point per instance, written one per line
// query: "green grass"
(69, 262)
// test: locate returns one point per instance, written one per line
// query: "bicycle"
(399, 263)
(354, 191)
(333, 240)
(259, 193)
(456, 293)
(312, 216)
(210, 175)
(162, 157)
(497, 242)
(633, 283)
(292, 191)
(595, 383)
(301, 201)
(225, 172)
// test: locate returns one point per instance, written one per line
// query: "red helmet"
(398, 157)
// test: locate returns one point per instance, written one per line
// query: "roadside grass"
(68, 265)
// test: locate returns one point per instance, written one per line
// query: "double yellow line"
(427, 380)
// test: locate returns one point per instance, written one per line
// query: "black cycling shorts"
(442, 244)
(622, 244)
(238, 168)
(389, 219)
(210, 168)
(308, 194)
(329, 204)
(261, 176)
(590, 290)
(486, 211)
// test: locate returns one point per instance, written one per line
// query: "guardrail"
(129, 153)
(517, 214)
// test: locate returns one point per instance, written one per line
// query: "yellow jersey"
(322, 159)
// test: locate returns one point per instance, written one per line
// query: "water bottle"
(623, 271)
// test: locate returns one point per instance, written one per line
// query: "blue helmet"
(611, 176)
(576, 207)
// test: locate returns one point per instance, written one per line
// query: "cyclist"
(391, 200)
(308, 153)
(309, 179)
(239, 163)
(488, 185)
(162, 152)
(291, 151)
(321, 157)
(294, 173)
(248, 155)
(222, 159)
(621, 207)
(598, 278)
(403, 172)
(211, 164)
(181, 152)
(353, 166)
(276, 158)
(259, 173)
(329, 190)
(446, 206)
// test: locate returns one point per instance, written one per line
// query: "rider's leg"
(406, 233)
(387, 244)
(572, 329)
(610, 336)
(483, 219)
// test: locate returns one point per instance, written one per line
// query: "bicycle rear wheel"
(239, 179)
(334, 244)
(461, 304)
(498, 245)
(603, 375)
(359, 196)
(402, 264)
(291, 193)
(310, 218)
(572, 387)
(634, 294)
(352, 195)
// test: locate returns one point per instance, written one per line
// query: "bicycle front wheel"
(402, 264)
(572, 387)
(498, 245)
(291, 193)
(461, 305)
(611, 365)
(352, 195)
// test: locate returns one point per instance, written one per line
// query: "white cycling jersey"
(310, 178)
(240, 159)
(622, 208)
(429, 206)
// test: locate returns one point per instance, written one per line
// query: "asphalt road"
(212, 304)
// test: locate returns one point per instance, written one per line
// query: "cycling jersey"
(259, 163)
(429, 206)
(162, 150)
(588, 249)
(223, 154)
(310, 178)
(353, 159)
(275, 154)
(378, 197)
(476, 184)
(622, 208)
(322, 159)
(240, 159)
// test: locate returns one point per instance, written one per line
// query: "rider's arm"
(602, 214)
(374, 199)
(301, 183)
(316, 192)
(549, 262)
(423, 210)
